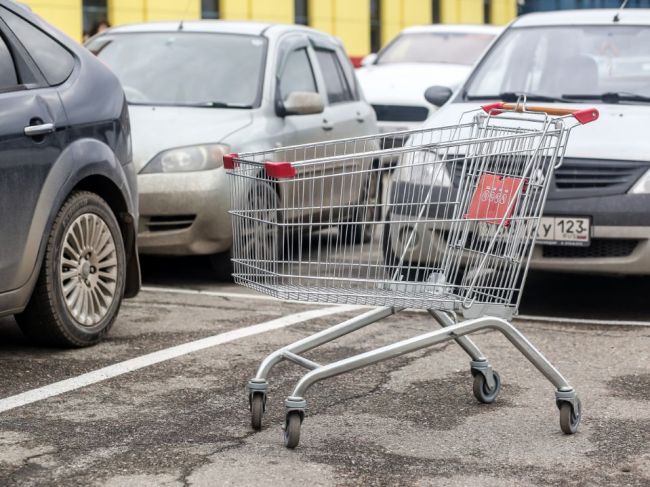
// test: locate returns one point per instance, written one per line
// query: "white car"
(199, 90)
(395, 79)
(597, 216)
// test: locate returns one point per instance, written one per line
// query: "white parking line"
(546, 319)
(133, 364)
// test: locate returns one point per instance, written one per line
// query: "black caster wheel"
(292, 429)
(482, 392)
(570, 417)
(257, 410)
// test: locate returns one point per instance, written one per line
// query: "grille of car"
(587, 174)
(599, 247)
(164, 223)
(401, 113)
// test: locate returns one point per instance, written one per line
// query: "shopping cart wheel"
(570, 416)
(482, 391)
(257, 410)
(292, 429)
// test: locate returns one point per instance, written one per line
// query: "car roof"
(216, 26)
(458, 28)
(628, 16)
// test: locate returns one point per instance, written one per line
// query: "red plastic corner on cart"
(279, 170)
(587, 115)
(492, 201)
(493, 108)
(229, 160)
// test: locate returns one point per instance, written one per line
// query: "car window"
(186, 68)
(54, 60)
(435, 47)
(349, 74)
(8, 76)
(338, 90)
(557, 61)
(297, 74)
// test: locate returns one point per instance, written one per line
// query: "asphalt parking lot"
(412, 421)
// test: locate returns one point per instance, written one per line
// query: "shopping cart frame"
(456, 324)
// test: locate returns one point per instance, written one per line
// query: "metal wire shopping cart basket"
(445, 223)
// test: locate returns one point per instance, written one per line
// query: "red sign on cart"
(492, 201)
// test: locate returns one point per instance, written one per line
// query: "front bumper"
(184, 213)
(620, 238)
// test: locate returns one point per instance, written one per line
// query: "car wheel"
(398, 269)
(81, 282)
(365, 216)
(261, 234)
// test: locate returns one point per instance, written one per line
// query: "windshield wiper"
(610, 97)
(206, 104)
(512, 97)
(221, 104)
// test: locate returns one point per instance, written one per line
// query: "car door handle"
(36, 130)
(327, 126)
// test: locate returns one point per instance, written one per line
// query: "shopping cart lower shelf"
(453, 234)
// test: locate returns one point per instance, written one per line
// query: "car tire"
(403, 272)
(356, 233)
(81, 282)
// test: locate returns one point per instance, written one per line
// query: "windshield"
(178, 68)
(563, 61)
(438, 47)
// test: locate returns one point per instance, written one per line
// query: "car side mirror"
(437, 95)
(369, 59)
(302, 103)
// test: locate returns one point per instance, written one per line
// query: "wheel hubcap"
(88, 269)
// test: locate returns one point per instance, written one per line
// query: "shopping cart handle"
(583, 116)
(229, 160)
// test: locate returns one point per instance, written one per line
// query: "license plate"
(561, 230)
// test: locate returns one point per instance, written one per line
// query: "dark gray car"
(68, 198)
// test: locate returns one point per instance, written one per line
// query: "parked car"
(395, 78)
(597, 216)
(199, 90)
(68, 198)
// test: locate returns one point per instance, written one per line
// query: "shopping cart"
(445, 223)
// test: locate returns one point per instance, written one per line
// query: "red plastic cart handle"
(229, 160)
(279, 170)
(583, 116)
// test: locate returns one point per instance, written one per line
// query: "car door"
(31, 139)
(295, 72)
(349, 117)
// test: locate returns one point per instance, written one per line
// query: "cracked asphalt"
(409, 421)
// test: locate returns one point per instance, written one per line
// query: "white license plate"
(561, 230)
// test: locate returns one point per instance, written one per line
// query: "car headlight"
(642, 186)
(187, 159)
(424, 167)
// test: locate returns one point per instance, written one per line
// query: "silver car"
(199, 90)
